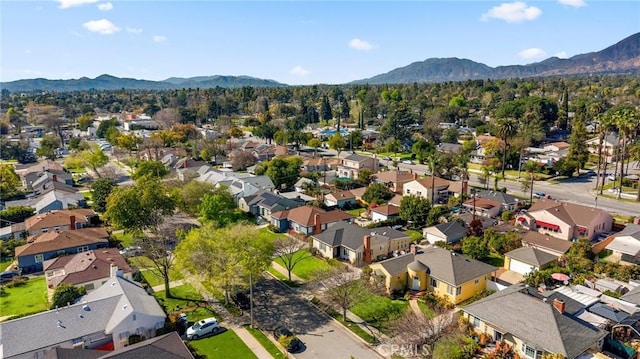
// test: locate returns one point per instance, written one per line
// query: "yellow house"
(433, 269)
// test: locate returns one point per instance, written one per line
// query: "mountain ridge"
(621, 57)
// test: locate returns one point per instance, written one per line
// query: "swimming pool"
(332, 132)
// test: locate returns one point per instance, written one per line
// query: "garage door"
(519, 267)
(433, 239)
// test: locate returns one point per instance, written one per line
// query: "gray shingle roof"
(168, 346)
(351, 235)
(535, 322)
(262, 182)
(498, 196)
(531, 256)
(633, 296)
(356, 157)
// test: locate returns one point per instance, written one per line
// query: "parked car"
(8, 276)
(131, 251)
(539, 195)
(241, 300)
(407, 162)
(294, 345)
(202, 328)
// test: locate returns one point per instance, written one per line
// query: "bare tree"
(242, 159)
(421, 331)
(167, 117)
(287, 248)
(157, 248)
(343, 287)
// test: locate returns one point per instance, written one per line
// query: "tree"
(433, 161)
(342, 286)
(103, 127)
(140, 207)
(314, 143)
(421, 331)
(242, 159)
(414, 210)
(9, 181)
(217, 206)
(156, 246)
(283, 171)
(336, 142)
(325, 109)
(150, 168)
(191, 194)
(531, 167)
(16, 214)
(578, 151)
(365, 176)
(475, 247)
(355, 139)
(85, 121)
(93, 157)
(223, 256)
(377, 193)
(129, 141)
(48, 147)
(290, 251)
(507, 128)
(66, 294)
(100, 191)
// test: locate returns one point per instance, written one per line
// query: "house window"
(124, 338)
(134, 317)
(45, 230)
(433, 283)
(497, 336)
(530, 352)
(78, 342)
(475, 322)
(408, 191)
(39, 258)
(61, 252)
(454, 290)
(96, 338)
(83, 249)
(476, 281)
(89, 286)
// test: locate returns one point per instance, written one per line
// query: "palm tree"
(627, 120)
(433, 158)
(531, 168)
(603, 131)
(463, 165)
(507, 128)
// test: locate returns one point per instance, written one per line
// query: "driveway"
(324, 338)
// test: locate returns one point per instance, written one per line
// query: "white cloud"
(574, 3)
(159, 38)
(562, 55)
(532, 53)
(512, 12)
(132, 30)
(104, 27)
(65, 4)
(30, 72)
(105, 6)
(360, 45)
(299, 71)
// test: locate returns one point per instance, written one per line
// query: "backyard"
(224, 345)
(28, 298)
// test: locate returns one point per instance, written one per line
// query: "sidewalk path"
(282, 270)
(413, 303)
(160, 287)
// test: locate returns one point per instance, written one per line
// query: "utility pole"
(250, 300)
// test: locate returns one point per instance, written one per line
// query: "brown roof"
(86, 266)
(569, 213)
(58, 218)
(386, 210)
(560, 144)
(342, 195)
(482, 203)
(51, 241)
(437, 181)
(305, 215)
(394, 176)
(535, 239)
(396, 200)
(42, 166)
(358, 192)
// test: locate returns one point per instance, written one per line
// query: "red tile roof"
(386, 210)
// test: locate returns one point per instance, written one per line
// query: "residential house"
(395, 180)
(44, 246)
(626, 244)
(89, 269)
(303, 183)
(426, 186)
(43, 166)
(60, 220)
(610, 146)
(447, 274)
(264, 152)
(353, 164)
(348, 241)
(467, 218)
(52, 200)
(556, 146)
(297, 196)
(384, 213)
(315, 165)
(544, 328)
(449, 233)
(32, 180)
(453, 148)
(340, 199)
(240, 184)
(483, 207)
(103, 319)
(263, 203)
(507, 201)
(545, 243)
(632, 296)
(524, 260)
(565, 220)
(308, 220)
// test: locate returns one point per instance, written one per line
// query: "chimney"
(415, 176)
(317, 225)
(55, 178)
(413, 249)
(72, 222)
(366, 255)
(636, 220)
(559, 305)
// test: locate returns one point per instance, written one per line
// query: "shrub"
(506, 216)
(273, 228)
(135, 338)
(17, 282)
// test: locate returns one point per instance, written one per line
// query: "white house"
(451, 232)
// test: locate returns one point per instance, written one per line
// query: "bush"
(17, 282)
(136, 338)
(273, 228)
(506, 216)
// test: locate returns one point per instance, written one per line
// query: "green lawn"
(356, 212)
(415, 235)
(425, 309)
(306, 267)
(265, 342)
(126, 239)
(28, 298)
(265, 233)
(153, 277)
(379, 310)
(186, 299)
(5, 263)
(224, 345)
(283, 278)
(495, 260)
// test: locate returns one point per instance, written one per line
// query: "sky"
(295, 42)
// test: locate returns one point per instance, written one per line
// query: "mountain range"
(622, 57)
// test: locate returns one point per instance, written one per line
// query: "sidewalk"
(282, 270)
(160, 287)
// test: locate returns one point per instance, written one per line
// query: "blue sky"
(294, 42)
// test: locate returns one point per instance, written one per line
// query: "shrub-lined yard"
(28, 298)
